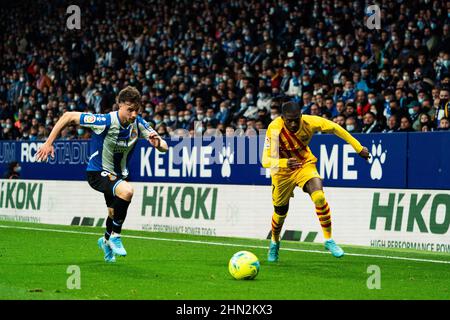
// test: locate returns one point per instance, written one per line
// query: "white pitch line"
(232, 245)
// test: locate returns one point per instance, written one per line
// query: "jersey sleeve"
(97, 122)
(271, 154)
(145, 130)
(328, 126)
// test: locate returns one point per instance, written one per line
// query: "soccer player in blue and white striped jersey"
(113, 142)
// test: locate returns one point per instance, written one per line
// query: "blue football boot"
(273, 251)
(117, 247)
(109, 255)
(335, 250)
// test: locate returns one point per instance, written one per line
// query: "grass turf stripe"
(231, 244)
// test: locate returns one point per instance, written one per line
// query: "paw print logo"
(378, 157)
(226, 158)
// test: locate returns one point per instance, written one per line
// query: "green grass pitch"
(34, 262)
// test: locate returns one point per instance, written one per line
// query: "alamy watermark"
(74, 280)
(74, 20)
(374, 280)
(373, 14)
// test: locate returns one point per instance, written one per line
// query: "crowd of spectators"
(226, 64)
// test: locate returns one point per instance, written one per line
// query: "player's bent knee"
(125, 191)
(281, 210)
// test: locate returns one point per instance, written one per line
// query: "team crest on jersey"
(267, 143)
(133, 134)
(112, 177)
(89, 118)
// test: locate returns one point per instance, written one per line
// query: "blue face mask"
(420, 25)
(306, 83)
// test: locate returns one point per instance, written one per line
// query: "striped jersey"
(281, 144)
(112, 145)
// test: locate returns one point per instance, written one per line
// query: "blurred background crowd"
(226, 65)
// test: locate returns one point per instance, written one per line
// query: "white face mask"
(350, 127)
(273, 116)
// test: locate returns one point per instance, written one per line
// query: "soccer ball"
(243, 265)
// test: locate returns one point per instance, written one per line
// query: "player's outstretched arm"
(158, 142)
(331, 127)
(47, 149)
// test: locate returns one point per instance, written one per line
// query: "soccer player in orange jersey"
(292, 164)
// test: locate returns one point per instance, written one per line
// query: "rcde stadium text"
(226, 309)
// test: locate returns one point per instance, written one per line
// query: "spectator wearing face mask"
(264, 99)
(13, 171)
(349, 91)
(241, 124)
(210, 118)
(414, 110)
(188, 119)
(171, 119)
(351, 125)
(224, 113)
(241, 109)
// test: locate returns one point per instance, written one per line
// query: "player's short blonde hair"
(129, 95)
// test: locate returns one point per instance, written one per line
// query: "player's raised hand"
(44, 151)
(293, 163)
(155, 140)
(365, 153)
